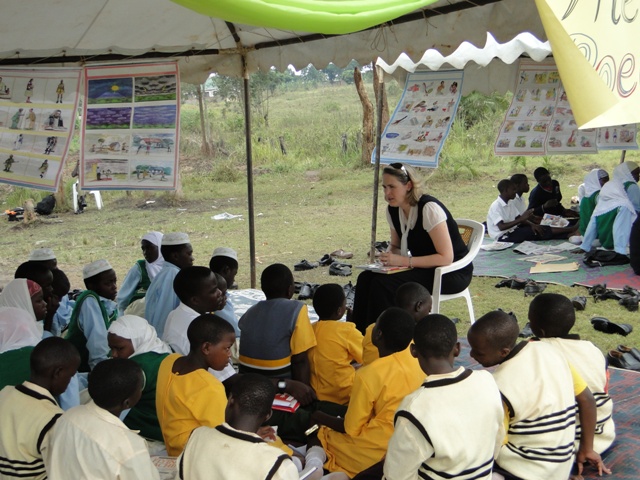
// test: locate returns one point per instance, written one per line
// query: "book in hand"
(379, 268)
(285, 403)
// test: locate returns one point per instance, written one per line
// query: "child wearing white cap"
(44, 256)
(93, 313)
(160, 298)
(224, 262)
(136, 283)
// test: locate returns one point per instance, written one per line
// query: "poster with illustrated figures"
(619, 137)
(37, 116)
(131, 130)
(421, 122)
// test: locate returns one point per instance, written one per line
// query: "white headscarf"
(623, 173)
(156, 266)
(612, 196)
(592, 182)
(142, 335)
(16, 295)
(17, 329)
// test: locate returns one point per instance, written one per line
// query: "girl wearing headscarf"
(132, 337)
(593, 182)
(614, 213)
(27, 296)
(19, 333)
(139, 278)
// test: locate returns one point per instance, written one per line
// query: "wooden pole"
(205, 142)
(379, 86)
(623, 156)
(247, 134)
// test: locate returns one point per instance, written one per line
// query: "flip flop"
(607, 326)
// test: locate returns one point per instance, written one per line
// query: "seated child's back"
(339, 344)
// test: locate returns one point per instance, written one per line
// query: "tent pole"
(247, 134)
(376, 174)
(622, 156)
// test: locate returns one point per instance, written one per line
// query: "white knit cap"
(94, 268)
(225, 252)
(41, 255)
(175, 238)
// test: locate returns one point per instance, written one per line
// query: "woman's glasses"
(399, 166)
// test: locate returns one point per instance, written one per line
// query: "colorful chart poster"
(37, 116)
(421, 122)
(131, 127)
(620, 137)
(539, 120)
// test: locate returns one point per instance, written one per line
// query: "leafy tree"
(332, 73)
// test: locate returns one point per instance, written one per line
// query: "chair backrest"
(472, 233)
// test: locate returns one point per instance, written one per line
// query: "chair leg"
(435, 305)
(467, 296)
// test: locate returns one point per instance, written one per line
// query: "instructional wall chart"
(131, 130)
(37, 116)
(421, 122)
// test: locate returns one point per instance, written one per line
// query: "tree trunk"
(385, 104)
(368, 137)
(205, 143)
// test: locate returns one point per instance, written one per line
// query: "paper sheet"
(554, 267)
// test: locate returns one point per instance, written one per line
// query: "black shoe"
(304, 265)
(598, 289)
(340, 269)
(632, 350)
(579, 303)
(606, 326)
(623, 360)
(512, 282)
(526, 332)
(630, 303)
(307, 291)
(531, 289)
(326, 260)
(297, 286)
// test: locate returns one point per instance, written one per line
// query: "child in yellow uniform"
(339, 344)
(412, 297)
(360, 439)
(187, 395)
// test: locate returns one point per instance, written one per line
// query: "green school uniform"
(14, 366)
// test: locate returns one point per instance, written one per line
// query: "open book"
(379, 268)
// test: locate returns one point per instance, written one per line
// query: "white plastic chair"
(95, 193)
(473, 233)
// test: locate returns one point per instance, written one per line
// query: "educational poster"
(131, 129)
(620, 137)
(37, 116)
(539, 120)
(420, 123)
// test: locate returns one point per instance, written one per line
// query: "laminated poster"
(131, 130)
(540, 120)
(421, 122)
(620, 137)
(37, 116)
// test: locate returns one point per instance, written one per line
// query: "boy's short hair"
(327, 299)
(435, 336)
(254, 394)
(31, 271)
(499, 329)
(188, 282)
(217, 263)
(276, 280)
(207, 328)
(410, 293)
(552, 313)
(50, 353)
(168, 250)
(518, 178)
(504, 184)
(112, 381)
(397, 326)
(61, 285)
(539, 172)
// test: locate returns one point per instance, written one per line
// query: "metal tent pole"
(247, 133)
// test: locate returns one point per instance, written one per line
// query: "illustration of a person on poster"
(31, 117)
(43, 168)
(17, 143)
(8, 162)
(4, 90)
(15, 119)
(28, 91)
(60, 91)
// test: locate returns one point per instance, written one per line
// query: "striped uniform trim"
(559, 454)
(276, 466)
(21, 469)
(547, 423)
(481, 471)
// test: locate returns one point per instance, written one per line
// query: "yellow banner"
(596, 46)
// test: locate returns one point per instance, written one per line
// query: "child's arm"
(128, 288)
(334, 423)
(301, 368)
(588, 416)
(524, 218)
(408, 448)
(92, 324)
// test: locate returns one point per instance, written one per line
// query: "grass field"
(310, 202)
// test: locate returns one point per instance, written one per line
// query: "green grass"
(310, 202)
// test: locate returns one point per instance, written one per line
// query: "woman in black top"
(424, 236)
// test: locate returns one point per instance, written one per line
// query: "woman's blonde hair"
(404, 174)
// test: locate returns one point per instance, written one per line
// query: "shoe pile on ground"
(628, 297)
(624, 357)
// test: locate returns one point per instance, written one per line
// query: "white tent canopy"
(72, 32)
